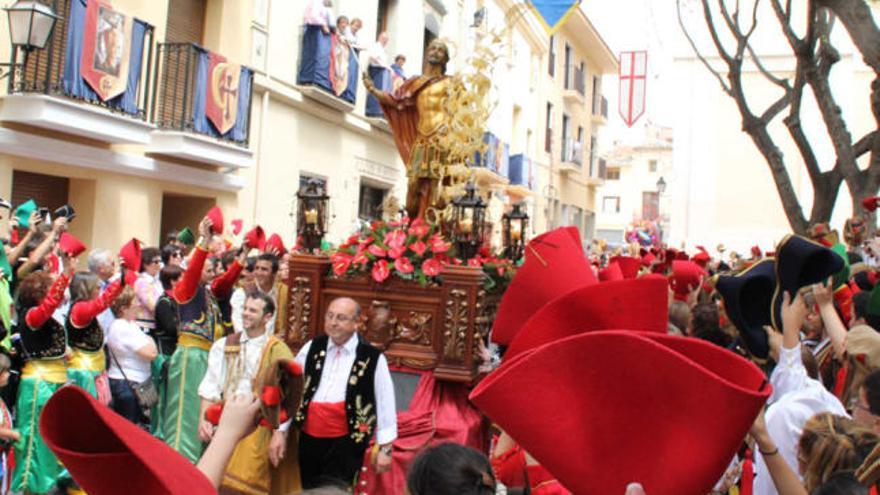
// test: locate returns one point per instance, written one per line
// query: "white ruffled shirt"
(796, 398)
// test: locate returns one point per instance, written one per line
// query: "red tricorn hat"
(71, 246)
(871, 203)
(702, 258)
(107, 454)
(276, 242)
(256, 238)
(131, 255)
(648, 259)
(216, 216)
(629, 266)
(640, 304)
(610, 273)
(686, 276)
(554, 264)
(700, 401)
(237, 225)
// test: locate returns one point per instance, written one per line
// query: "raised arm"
(834, 327)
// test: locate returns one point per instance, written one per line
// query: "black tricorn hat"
(747, 298)
(800, 263)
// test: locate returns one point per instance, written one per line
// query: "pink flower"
(396, 252)
(395, 238)
(419, 228)
(365, 242)
(381, 271)
(475, 262)
(341, 262)
(432, 267)
(403, 265)
(418, 247)
(438, 245)
(360, 258)
(376, 251)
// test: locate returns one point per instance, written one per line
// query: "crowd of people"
(185, 343)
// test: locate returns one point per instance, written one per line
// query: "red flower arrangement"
(409, 250)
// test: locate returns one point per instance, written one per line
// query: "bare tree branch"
(859, 23)
(700, 57)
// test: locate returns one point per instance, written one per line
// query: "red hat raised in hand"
(237, 225)
(610, 273)
(611, 403)
(871, 203)
(71, 246)
(276, 242)
(106, 453)
(686, 276)
(216, 216)
(131, 255)
(629, 266)
(256, 238)
(554, 264)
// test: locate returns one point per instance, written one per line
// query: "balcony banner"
(632, 75)
(343, 68)
(554, 13)
(521, 173)
(222, 97)
(104, 55)
(497, 155)
(314, 66)
(382, 80)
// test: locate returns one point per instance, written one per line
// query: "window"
(567, 145)
(548, 129)
(612, 173)
(652, 166)
(568, 68)
(611, 204)
(370, 202)
(551, 57)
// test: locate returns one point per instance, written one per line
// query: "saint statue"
(419, 119)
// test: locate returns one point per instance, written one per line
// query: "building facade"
(152, 160)
(637, 178)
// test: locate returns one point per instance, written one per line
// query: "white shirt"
(124, 339)
(248, 363)
(802, 398)
(317, 13)
(334, 381)
(377, 55)
(237, 304)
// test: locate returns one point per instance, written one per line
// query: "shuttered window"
(186, 21)
(46, 190)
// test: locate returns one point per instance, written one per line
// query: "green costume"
(201, 325)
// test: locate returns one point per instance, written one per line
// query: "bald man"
(347, 399)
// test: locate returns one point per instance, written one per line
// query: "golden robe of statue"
(419, 120)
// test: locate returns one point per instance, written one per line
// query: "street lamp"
(514, 226)
(661, 188)
(30, 24)
(661, 185)
(312, 214)
(468, 222)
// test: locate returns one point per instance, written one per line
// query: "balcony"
(521, 176)
(328, 69)
(572, 156)
(598, 172)
(574, 86)
(201, 108)
(600, 110)
(491, 167)
(54, 90)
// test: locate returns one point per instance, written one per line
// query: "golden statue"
(420, 118)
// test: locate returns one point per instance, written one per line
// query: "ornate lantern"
(30, 24)
(312, 214)
(513, 228)
(468, 222)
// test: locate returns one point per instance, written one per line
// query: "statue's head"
(437, 54)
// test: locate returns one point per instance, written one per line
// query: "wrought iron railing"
(575, 79)
(175, 86)
(43, 71)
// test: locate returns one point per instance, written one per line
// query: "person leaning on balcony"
(348, 398)
(378, 55)
(319, 13)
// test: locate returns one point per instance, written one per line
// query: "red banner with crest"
(223, 92)
(106, 49)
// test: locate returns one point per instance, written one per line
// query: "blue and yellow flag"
(553, 13)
